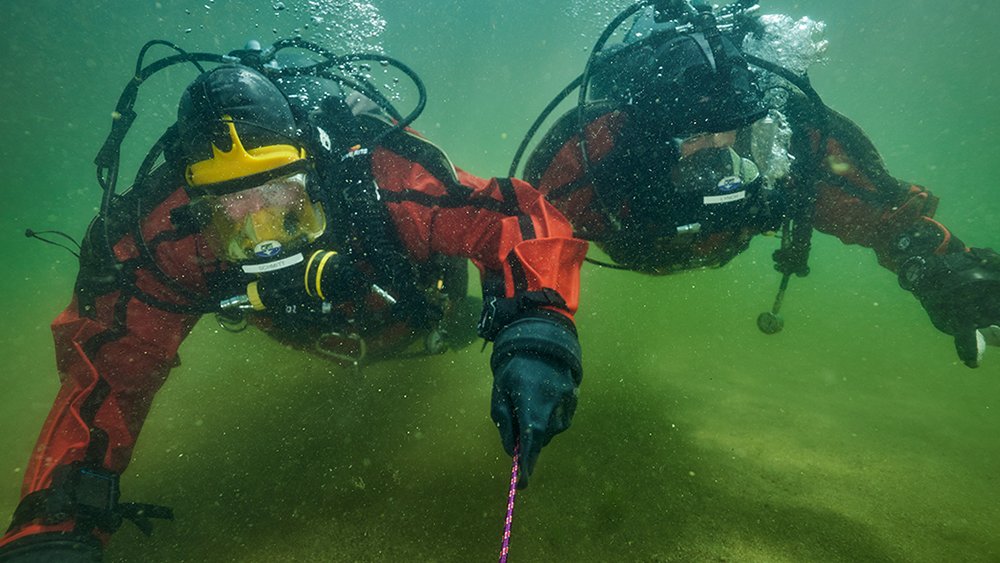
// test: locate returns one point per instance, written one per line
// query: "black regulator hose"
(363, 85)
(581, 82)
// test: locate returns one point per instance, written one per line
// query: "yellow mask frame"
(225, 166)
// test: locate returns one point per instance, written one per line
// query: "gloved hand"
(536, 373)
(961, 293)
(51, 547)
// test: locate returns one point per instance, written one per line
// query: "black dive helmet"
(258, 97)
(689, 45)
(678, 76)
(676, 73)
(685, 77)
(233, 105)
(247, 171)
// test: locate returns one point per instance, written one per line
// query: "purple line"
(510, 508)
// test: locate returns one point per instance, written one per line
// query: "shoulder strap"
(417, 149)
(564, 129)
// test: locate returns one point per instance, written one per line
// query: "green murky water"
(854, 435)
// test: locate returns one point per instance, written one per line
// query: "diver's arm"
(511, 231)
(536, 358)
(113, 350)
(521, 244)
(530, 265)
(858, 201)
(855, 197)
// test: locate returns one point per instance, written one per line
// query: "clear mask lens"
(714, 170)
(709, 163)
(263, 221)
(691, 144)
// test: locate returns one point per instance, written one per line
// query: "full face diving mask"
(263, 221)
(708, 209)
(253, 204)
(712, 183)
(709, 165)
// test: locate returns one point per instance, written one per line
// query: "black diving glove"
(961, 293)
(536, 373)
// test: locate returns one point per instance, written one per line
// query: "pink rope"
(510, 507)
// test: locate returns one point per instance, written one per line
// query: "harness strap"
(499, 312)
(89, 495)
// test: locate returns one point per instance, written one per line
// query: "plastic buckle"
(497, 313)
(97, 488)
(97, 493)
(912, 273)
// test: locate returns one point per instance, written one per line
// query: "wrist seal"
(538, 337)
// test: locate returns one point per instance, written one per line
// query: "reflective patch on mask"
(324, 139)
(267, 249)
(715, 199)
(729, 184)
